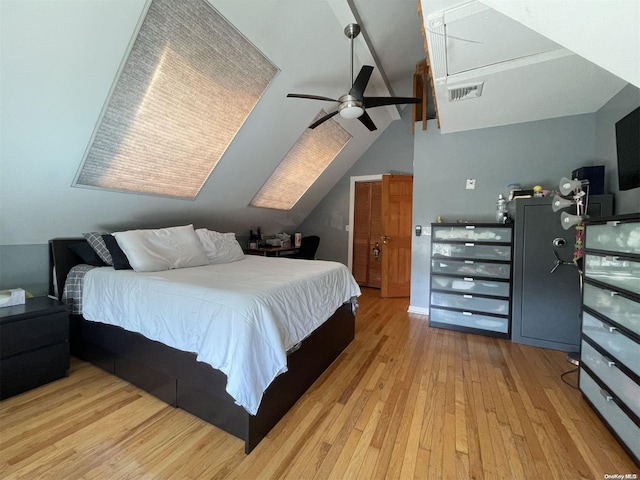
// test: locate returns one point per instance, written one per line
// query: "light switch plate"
(471, 184)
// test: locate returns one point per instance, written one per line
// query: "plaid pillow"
(97, 243)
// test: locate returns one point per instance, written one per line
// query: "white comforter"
(239, 317)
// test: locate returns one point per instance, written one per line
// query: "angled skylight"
(187, 86)
(305, 162)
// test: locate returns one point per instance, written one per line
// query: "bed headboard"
(61, 260)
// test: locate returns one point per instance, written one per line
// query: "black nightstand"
(34, 345)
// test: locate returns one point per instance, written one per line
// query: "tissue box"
(9, 298)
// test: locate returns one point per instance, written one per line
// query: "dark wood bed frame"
(177, 378)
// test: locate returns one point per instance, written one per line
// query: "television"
(628, 147)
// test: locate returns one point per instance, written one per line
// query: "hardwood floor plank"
(340, 440)
(369, 464)
(358, 456)
(403, 401)
(384, 464)
(410, 456)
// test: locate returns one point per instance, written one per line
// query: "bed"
(179, 379)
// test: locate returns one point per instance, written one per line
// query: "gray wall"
(25, 266)
(529, 153)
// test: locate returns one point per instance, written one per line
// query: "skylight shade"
(305, 162)
(188, 84)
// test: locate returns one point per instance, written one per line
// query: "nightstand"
(34, 345)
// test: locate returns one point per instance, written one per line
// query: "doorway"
(380, 232)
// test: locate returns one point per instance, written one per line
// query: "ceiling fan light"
(351, 111)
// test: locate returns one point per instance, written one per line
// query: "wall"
(529, 153)
(391, 153)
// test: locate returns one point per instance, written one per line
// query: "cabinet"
(471, 278)
(34, 345)
(610, 342)
(546, 301)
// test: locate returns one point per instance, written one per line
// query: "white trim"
(352, 198)
(418, 310)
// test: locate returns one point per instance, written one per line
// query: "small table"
(34, 345)
(272, 251)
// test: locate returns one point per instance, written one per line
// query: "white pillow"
(162, 249)
(220, 247)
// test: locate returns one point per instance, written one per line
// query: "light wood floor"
(403, 401)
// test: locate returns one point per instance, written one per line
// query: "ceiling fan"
(354, 103)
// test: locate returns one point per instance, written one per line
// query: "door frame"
(352, 201)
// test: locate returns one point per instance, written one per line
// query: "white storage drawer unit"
(606, 405)
(472, 268)
(471, 285)
(611, 304)
(472, 250)
(614, 270)
(471, 278)
(453, 319)
(610, 353)
(470, 302)
(615, 380)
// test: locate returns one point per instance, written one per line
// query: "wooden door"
(397, 226)
(367, 233)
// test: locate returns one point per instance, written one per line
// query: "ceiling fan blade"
(323, 119)
(311, 97)
(365, 119)
(370, 102)
(357, 90)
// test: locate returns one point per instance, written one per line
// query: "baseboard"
(418, 310)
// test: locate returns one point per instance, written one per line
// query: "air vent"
(462, 92)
